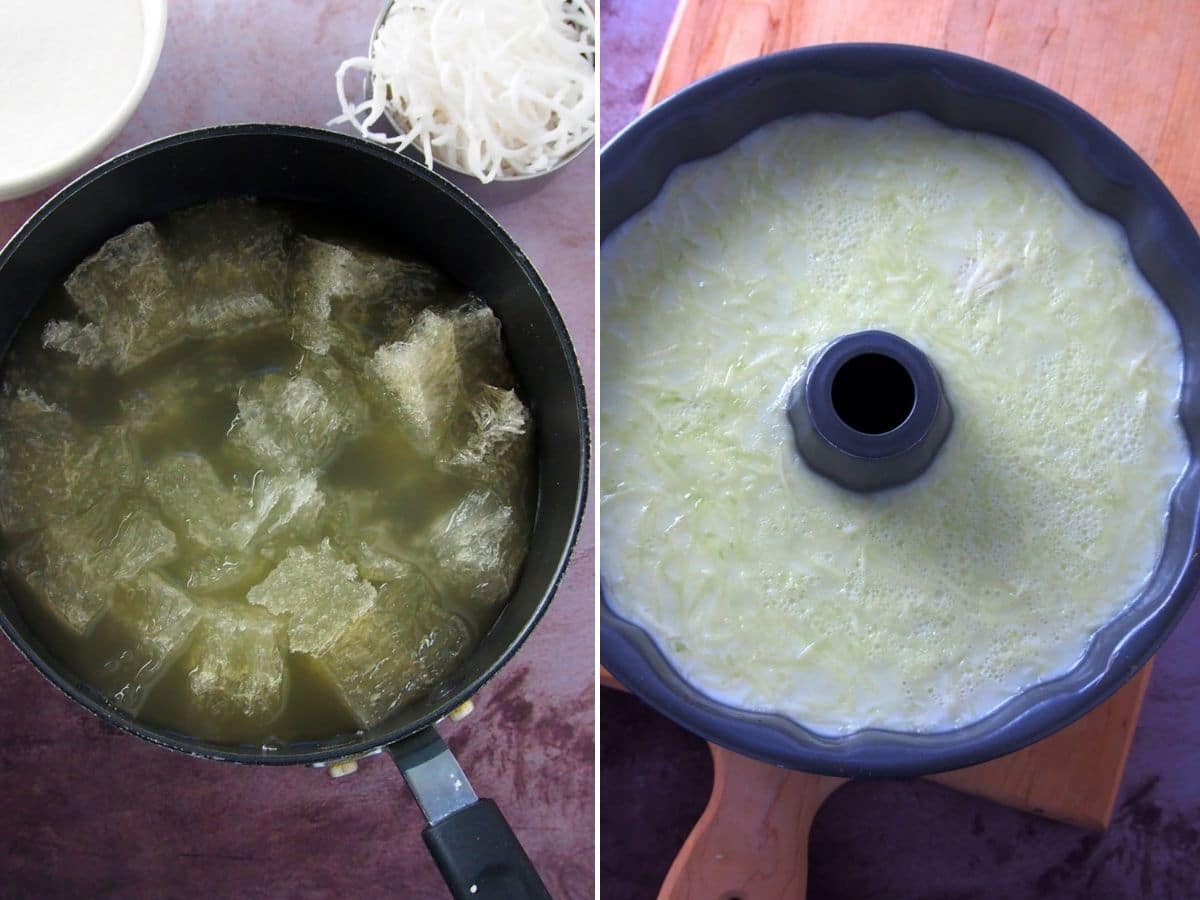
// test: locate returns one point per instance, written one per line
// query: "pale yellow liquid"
(410, 493)
(925, 607)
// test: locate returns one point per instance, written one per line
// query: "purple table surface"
(890, 839)
(91, 812)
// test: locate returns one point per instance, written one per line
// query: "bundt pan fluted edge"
(870, 80)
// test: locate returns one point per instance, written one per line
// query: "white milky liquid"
(66, 66)
(924, 607)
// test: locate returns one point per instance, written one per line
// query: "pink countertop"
(89, 811)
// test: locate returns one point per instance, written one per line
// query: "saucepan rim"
(354, 745)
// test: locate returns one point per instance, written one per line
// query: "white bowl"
(154, 19)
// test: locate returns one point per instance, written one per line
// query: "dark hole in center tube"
(873, 393)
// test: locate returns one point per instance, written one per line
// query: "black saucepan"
(397, 201)
(871, 80)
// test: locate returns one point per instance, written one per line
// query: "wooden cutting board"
(1133, 65)
(751, 841)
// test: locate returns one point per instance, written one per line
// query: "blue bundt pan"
(961, 92)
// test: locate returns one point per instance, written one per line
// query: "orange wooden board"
(751, 841)
(1072, 776)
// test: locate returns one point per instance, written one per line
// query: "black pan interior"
(398, 203)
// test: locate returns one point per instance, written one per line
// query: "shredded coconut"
(499, 88)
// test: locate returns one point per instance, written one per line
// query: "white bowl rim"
(154, 19)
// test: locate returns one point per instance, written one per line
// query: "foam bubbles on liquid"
(920, 608)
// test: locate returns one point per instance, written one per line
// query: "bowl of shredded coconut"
(501, 90)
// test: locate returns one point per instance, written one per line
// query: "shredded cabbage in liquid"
(925, 607)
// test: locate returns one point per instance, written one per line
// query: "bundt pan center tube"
(869, 411)
(350, 180)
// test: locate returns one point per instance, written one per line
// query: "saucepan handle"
(474, 848)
